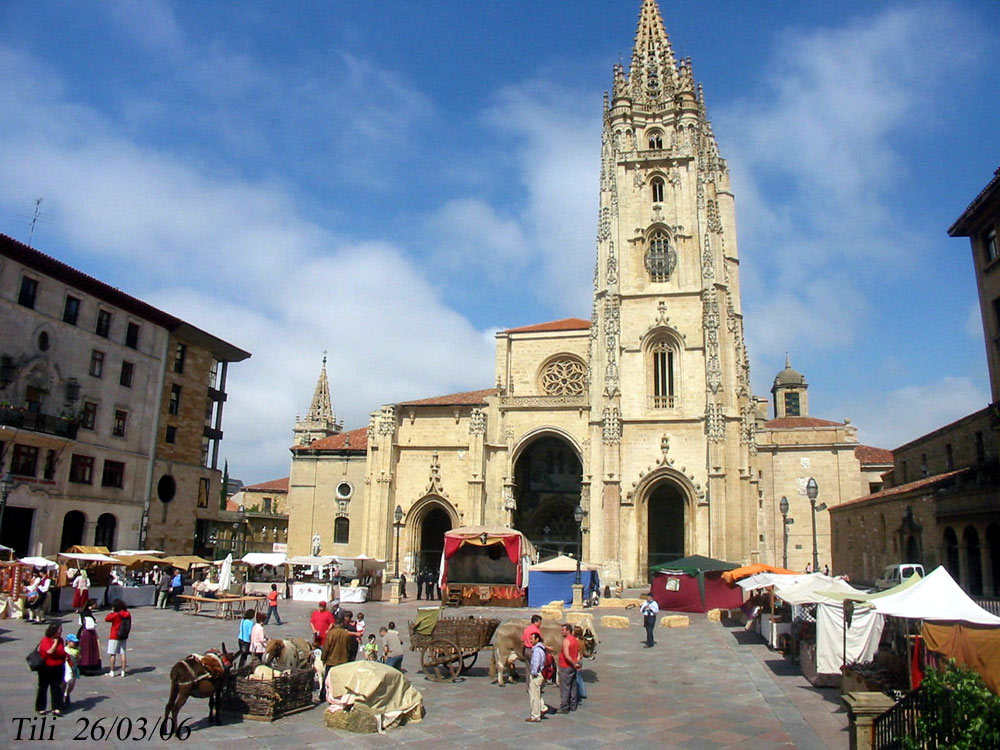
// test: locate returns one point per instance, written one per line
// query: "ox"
(508, 648)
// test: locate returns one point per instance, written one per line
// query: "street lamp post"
(243, 529)
(578, 517)
(6, 485)
(398, 515)
(783, 507)
(812, 490)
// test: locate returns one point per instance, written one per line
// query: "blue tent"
(553, 580)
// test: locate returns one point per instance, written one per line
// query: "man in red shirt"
(569, 663)
(534, 627)
(272, 604)
(321, 620)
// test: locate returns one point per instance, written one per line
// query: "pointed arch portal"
(665, 523)
(433, 521)
(547, 484)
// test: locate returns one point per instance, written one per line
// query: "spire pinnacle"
(653, 72)
(320, 420)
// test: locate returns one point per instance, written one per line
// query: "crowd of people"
(63, 659)
(543, 660)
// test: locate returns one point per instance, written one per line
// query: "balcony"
(23, 419)
(662, 402)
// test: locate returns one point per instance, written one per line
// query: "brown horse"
(200, 676)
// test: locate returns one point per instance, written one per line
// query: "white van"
(896, 574)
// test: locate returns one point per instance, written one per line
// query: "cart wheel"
(469, 660)
(441, 661)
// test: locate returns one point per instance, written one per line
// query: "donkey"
(293, 653)
(200, 676)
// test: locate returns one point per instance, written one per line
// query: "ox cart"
(449, 646)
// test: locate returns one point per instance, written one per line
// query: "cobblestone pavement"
(703, 687)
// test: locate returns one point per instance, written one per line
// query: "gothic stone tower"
(672, 429)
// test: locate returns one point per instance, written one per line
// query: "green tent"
(696, 566)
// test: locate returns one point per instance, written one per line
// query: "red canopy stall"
(486, 565)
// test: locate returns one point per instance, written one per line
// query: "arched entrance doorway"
(975, 562)
(434, 521)
(72, 530)
(993, 542)
(665, 523)
(547, 485)
(951, 563)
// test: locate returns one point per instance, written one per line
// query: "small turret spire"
(320, 420)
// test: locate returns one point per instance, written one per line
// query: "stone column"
(862, 710)
(985, 556)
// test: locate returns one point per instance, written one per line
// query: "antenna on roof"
(35, 217)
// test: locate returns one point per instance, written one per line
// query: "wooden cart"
(453, 646)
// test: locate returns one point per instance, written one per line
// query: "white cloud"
(815, 157)
(907, 413)
(238, 259)
(469, 234)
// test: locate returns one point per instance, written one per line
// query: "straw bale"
(614, 621)
(675, 621)
(551, 613)
(583, 619)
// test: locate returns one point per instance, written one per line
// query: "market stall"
(366, 576)
(14, 577)
(695, 584)
(134, 585)
(314, 578)
(486, 565)
(264, 570)
(553, 580)
(98, 563)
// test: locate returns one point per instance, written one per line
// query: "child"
(371, 648)
(72, 666)
(258, 639)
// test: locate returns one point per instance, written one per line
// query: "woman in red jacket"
(50, 675)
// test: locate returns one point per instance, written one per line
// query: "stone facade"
(84, 382)
(641, 416)
(261, 525)
(941, 500)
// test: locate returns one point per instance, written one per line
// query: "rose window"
(564, 377)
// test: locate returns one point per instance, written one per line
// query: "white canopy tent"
(935, 597)
(90, 557)
(862, 636)
(812, 589)
(264, 558)
(134, 552)
(39, 562)
(763, 580)
(313, 560)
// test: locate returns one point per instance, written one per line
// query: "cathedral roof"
(791, 423)
(869, 455)
(273, 485)
(566, 324)
(353, 441)
(466, 398)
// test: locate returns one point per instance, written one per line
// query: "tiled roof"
(466, 398)
(232, 505)
(60, 271)
(786, 423)
(566, 324)
(358, 440)
(274, 485)
(960, 228)
(869, 455)
(919, 484)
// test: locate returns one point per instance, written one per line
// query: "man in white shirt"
(649, 610)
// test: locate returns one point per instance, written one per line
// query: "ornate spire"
(320, 421)
(321, 409)
(653, 72)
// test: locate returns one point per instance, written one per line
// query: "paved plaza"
(703, 687)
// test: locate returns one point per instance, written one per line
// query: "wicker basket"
(267, 700)
(468, 633)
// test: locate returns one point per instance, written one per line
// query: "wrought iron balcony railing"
(26, 419)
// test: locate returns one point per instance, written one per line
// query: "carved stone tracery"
(564, 376)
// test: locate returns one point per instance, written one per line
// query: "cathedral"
(639, 420)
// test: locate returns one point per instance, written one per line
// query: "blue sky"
(393, 181)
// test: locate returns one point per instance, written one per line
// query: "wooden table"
(227, 607)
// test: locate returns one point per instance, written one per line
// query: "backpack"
(549, 668)
(124, 628)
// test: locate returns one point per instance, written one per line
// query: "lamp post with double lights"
(812, 490)
(6, 485)
(578, 514)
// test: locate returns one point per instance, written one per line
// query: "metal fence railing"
(901, 722)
